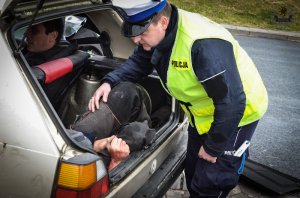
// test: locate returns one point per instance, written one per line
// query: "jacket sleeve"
(215, 66)
(135, 67)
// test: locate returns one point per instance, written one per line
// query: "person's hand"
(101, 92)
(101, 144)
(118, 150)
(202, 154)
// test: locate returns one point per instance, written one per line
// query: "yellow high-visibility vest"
(184, 85)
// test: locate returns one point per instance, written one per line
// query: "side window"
(72, 25)
(89, 39)
(18, 34)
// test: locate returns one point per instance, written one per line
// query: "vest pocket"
(203, 117)
(202, 111)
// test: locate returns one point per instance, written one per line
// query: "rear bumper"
(165, 176)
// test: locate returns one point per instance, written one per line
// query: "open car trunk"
(164, 115)
(93, 59)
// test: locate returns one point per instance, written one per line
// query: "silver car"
(38, 158)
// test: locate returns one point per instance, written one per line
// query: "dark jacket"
(208, 57)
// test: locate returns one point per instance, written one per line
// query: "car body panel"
(27, 145)
(26, 173)
(23, 112)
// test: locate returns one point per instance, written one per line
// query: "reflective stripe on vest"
(184, 85)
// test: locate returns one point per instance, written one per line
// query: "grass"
(247, 13)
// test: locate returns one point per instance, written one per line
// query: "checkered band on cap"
(134, 11)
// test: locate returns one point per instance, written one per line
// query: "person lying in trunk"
(119, 126)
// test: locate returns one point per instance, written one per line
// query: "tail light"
(82, 176)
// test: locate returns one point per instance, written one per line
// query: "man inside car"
(42, 42)
(43, 45)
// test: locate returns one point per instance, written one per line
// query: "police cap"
(137, 15)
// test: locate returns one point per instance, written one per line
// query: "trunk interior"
(88, 80)
(105, 55)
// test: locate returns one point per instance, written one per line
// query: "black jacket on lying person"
(124, 115)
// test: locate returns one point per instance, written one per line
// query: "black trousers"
(205, 179)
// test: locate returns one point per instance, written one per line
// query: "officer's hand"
(202, 154)
(101, 92)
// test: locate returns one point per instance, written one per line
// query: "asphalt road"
(276, 142)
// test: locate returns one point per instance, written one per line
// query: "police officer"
(205, 69)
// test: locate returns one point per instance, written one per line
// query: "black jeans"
(205, 179)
